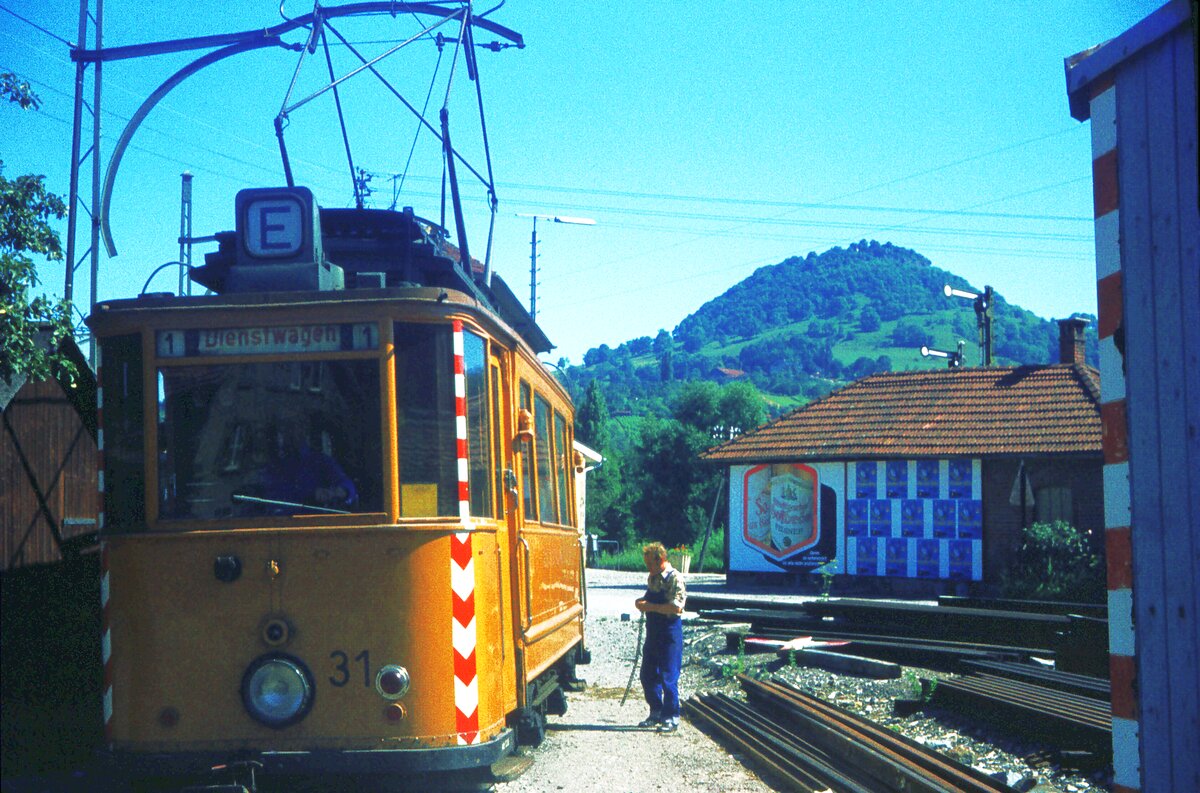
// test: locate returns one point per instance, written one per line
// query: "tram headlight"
(392, 682)
(277, 690)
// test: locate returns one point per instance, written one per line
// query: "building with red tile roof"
(927, 474)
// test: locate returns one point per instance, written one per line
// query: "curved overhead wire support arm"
(245, 41)
(138, 117)
(270, 36)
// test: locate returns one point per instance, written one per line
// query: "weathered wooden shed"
(48, 465)
(1139, 91)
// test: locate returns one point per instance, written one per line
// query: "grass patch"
(630, 558)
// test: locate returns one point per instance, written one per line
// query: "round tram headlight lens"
(277, 690)
(392, 682)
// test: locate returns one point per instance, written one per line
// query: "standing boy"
(662, 653)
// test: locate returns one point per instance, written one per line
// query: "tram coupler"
(241, 775)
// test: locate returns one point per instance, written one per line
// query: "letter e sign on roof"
(274, 226)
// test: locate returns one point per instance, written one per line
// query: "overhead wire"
(792, 207)
(35, 25)
(396, 189)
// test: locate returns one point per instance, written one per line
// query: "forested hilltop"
(800, 328)
(789, 333)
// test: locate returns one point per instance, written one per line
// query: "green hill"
(800, 328)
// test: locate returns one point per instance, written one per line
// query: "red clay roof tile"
(972, 412)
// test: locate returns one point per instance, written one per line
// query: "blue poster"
(865, 479)
(866, 556)
(912, 517)
(928, 558)
(881, 518)
(928, 479)
(896, 558)
(962, 559)
(960, 479)
(970, 519)
(897, 478)
(945, 514)
(857, 514)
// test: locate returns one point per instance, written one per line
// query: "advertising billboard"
(785, 517)
(892, 518)
(915, 519)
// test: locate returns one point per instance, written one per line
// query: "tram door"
(548, 585)
(521, 503)
(508, 506)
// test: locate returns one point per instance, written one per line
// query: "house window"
(1053, 503)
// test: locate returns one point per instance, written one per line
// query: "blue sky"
(706, 140)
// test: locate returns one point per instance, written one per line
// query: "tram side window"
(124, 466)
(547, 512)
(479, 465)
(497, 425)
(527, 463)
(560, 450)
(271, 438)
(426, 420)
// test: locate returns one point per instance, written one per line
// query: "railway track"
(1066, 720)
(812, 745)
(992, 648)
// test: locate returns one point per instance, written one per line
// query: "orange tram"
(339, 522)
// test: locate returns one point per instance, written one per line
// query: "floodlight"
(950, 291)
(953, 359)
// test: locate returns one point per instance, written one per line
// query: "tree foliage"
(31, 326)
(809, 324)
(798, 329)
(1056, 562)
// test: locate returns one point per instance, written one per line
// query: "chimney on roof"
(1071, 345)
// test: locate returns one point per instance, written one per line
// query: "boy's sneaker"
(653, 721)
(670, 725)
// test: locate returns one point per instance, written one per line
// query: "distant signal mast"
(533, 254)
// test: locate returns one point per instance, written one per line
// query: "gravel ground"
(595, 746)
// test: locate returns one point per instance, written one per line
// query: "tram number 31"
(342, 665)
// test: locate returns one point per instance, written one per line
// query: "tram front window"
(258, 439)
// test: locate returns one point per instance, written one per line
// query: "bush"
(631, 557)
(1055, 562)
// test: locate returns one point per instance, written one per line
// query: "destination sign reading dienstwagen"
(271, 340)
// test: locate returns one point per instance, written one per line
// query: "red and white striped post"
(1122, 649)
(462, 570)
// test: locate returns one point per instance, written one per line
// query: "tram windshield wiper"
(290, 504)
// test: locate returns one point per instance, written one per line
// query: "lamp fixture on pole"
(983, 316)
(533, 251)
(953, 359)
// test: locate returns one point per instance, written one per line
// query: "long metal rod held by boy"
(637, 655)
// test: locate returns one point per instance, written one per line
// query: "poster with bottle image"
(789, 516)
